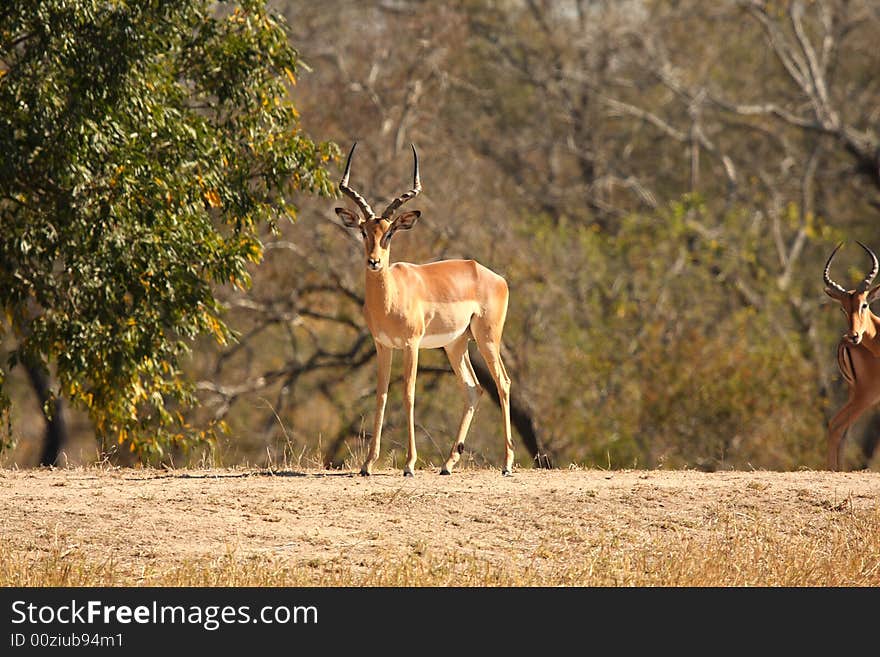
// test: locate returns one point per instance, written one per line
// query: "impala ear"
(835, 293)
(874, 293)
(403, 221)
(349, 218)
(407, 220)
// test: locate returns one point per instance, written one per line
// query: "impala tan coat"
(411, 307)
(858, 353)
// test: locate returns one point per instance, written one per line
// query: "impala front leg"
(840, 424)
(383, 362)
(410, 367)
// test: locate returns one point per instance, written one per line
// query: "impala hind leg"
(457, 352)
(489, 343)
(383, 362)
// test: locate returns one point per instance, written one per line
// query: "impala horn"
(403, 198)
(831, 285)
(352, 194)
(874, 269)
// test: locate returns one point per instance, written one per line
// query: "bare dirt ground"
(536, 527)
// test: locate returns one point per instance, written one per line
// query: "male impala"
(858, 353)
(412, 307)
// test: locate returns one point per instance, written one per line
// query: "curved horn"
(874, 269)
(357, 198)
(828, 282)
(416, 188)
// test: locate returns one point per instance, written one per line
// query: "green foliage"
(665, 363)
(144, 145)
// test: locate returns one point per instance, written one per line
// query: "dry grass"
(719, 543)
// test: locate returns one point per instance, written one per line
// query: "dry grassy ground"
(577, 527)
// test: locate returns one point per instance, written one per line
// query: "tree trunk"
(56, 423)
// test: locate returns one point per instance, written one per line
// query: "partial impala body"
(858, 353)
(411, 307)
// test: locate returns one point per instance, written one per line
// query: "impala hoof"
(444, 471)
(408, 473)
(365, 473)
(506, 473)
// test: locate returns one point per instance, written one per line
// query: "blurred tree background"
(660, 181)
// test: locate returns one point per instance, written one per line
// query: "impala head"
(378, 231)
(855, 302)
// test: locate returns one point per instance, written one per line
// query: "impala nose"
(855, 338)
(374, 264)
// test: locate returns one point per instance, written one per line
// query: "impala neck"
(871, 337)
(379, 288)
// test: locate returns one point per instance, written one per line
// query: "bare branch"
(817, 77)
(791, 61)
(769, 109)
(648, 117)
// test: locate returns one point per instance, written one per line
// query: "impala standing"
(858, 353)
(440, 304)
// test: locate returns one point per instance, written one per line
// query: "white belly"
(433, 341)
(388, 341)
(429, 340)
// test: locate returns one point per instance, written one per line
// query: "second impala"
(858, 352)
(440, 304)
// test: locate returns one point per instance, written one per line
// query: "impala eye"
(864, 306)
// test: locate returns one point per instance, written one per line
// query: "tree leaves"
(139, 163)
